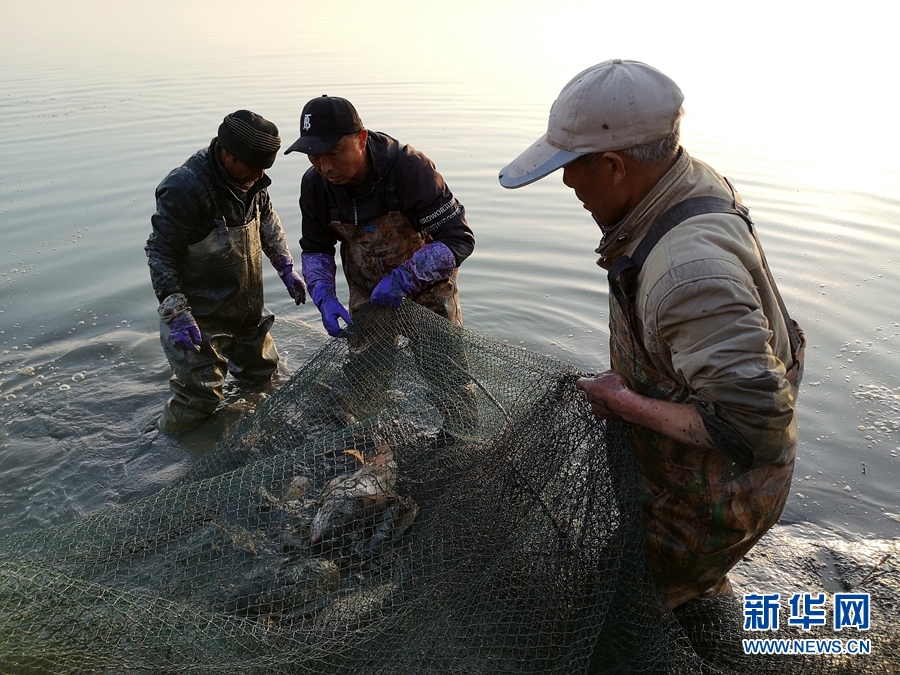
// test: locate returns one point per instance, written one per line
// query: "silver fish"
(347, 498)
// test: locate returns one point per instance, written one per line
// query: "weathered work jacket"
(709, 318)
(402, 179)
(188, 202)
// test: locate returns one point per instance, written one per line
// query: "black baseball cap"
(323, 122)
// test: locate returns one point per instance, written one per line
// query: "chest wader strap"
(622, 276)
(391, 200)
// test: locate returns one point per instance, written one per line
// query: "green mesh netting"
(416, 499)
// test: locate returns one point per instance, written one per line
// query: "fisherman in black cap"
(402, 232)
(213, 221)
(402, 235)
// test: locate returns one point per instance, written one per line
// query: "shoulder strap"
(331, 206)
(628, 267)
(622, 275)
(391, 200)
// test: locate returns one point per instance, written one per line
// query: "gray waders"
(222, 279)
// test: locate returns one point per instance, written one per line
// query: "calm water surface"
(96, 106)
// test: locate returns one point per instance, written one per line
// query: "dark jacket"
(188, 202)
(402, 179)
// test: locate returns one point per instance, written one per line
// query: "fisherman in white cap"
(705, 361)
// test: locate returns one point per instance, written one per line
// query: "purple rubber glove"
(391, 290)
(183, 329)
(292, 281)
(319, 270)
(185, 332)
(331, 310)
(432, 263)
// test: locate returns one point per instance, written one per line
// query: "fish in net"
(418, 498)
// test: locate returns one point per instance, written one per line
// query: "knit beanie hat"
(250, 138)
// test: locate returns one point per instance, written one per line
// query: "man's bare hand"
(605, 393)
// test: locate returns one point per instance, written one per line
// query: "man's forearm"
(610, 398)
(679, 421)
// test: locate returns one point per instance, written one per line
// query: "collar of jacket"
(220, 174)
(626, 234)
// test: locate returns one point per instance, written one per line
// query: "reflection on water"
(92, 122)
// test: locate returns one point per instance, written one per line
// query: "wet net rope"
(418, 498)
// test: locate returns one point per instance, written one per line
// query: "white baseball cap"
(614, 105)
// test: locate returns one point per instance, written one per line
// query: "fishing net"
(416, 499)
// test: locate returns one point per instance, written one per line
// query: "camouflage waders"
(701, 513)
(369, 252)
(222, 280)
(699, 519)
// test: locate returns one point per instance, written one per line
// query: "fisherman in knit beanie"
(213, 222)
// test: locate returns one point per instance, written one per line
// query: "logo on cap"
(307, 125)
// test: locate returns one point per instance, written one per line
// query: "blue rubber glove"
(432, 263)
(331, 310)
(318, 271)
(185, 332)
(391, 290)
(291, 280)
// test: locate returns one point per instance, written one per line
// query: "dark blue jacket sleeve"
(316, 233)
(430, 205)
